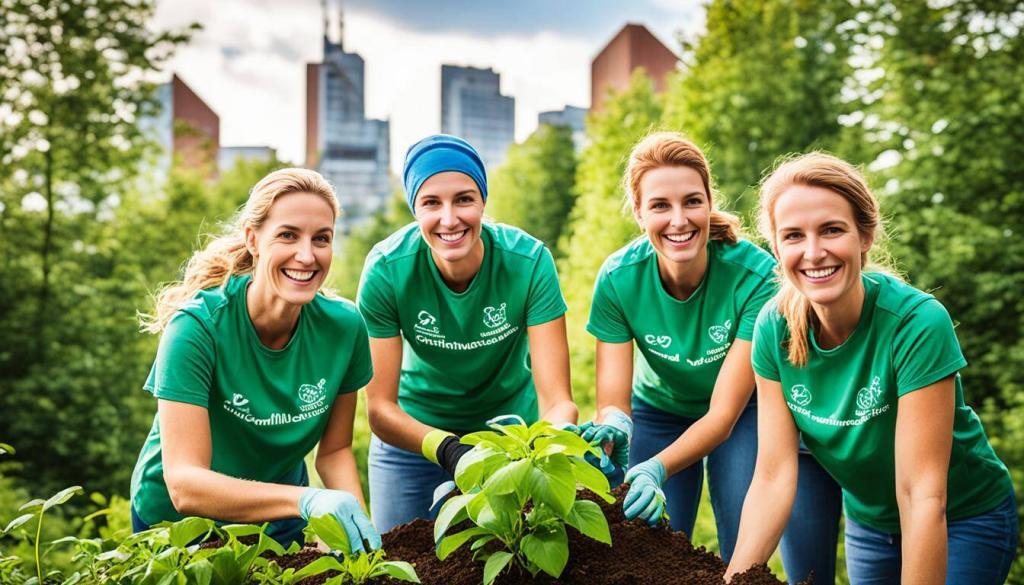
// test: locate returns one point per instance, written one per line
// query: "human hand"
(316, 502)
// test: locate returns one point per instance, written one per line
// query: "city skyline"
(267, 49)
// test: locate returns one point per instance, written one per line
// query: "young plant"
(519, 490)
(353, 568)
(36, 510)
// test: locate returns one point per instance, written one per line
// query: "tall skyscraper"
(572, 117)
(473, 108)
(352, 152)
(634, 46)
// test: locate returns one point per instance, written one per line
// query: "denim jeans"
(812, 534)
(401, 485)
(980, 549)
(284, 531)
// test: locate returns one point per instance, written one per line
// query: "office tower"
(473, 108)
(634, 46)
(351, 151)
(572, 117)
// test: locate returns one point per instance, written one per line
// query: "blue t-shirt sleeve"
(763, 293)
(376, 299)
(360, 366)
(544, 301)
(925, 348)
(183, 369)
(766, 353)
(607, 322)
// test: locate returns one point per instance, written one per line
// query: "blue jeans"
(980, 549)
(812, 535)
(284, 531)
(401, 485)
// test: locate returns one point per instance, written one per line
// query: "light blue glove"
(507, 419)
(645, 499)
(616, 428)
(316, 502)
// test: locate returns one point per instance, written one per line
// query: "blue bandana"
(437, 154)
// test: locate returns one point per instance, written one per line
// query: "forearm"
(766, 511)
(196, 491)
(561, 411)
(396, 427)
(697, 441)
(338, 471)
(923, 528)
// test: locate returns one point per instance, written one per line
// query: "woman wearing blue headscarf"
(466, 323)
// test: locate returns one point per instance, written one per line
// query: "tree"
(598, 225)
(534, 188)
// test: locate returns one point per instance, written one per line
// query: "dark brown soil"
(640, 555)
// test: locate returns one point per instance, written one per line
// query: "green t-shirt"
(466, 355)
(844, 402)
(682, 343)
(267, 408)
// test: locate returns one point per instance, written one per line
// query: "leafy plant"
(519, 490)
(353, 568)
(35, 510)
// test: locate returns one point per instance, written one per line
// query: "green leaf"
(480, 542)
(508, 479)
(400, 570)
(495, 565)
(321, 565)
(479, 463)
(450, 544)
(586, 516)
(199, 572)
(551, 481)
(548, 549)
(32, 505)
(62, 496)
(591, 478)
(19, 521)
(327, 529)
(240, 530)
(452, 512)
(6, 449)
(519, 432)
(183, 532)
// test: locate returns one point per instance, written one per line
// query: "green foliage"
(348, 262)
(534, 188)
(598, 226)
(357, 568)
(518, 488)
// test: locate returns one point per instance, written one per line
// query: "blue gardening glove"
(645, 499)
(316, 502)
(616, 428)
(507, 419)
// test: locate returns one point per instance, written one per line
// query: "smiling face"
(449, 210)
(293, 247)
(818, 244)
(675, 212)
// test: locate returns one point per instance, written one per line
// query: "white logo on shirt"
(663, 340)
(868, 398)
(427, 323)
(719, 333)
(494, 318)
(240, 402)
(800, 394)
(310, 393)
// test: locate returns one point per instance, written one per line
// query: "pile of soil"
(640, 555)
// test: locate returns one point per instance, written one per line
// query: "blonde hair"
(815, 169)
(227, 255)
(671, 149)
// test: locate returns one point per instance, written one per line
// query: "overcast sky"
(248, 63)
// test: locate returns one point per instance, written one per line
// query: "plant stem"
(39, 535)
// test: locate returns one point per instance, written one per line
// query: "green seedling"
(519, 490)
(36, 509)
(353, 568)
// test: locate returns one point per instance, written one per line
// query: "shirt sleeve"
(765, 354)
(360, 366)
(763, 293)
(183, 369)
(925, 348)
(544, 301)
(607, 322)
(376, 299)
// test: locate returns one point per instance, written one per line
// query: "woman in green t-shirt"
(466, 323)
(866, 368)
(687, 293)
(255, 368)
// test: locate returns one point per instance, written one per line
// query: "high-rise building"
(229, 156)
(186, 128)
(473, 108)
(634, 46)
(352, 152)
(572, 117)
